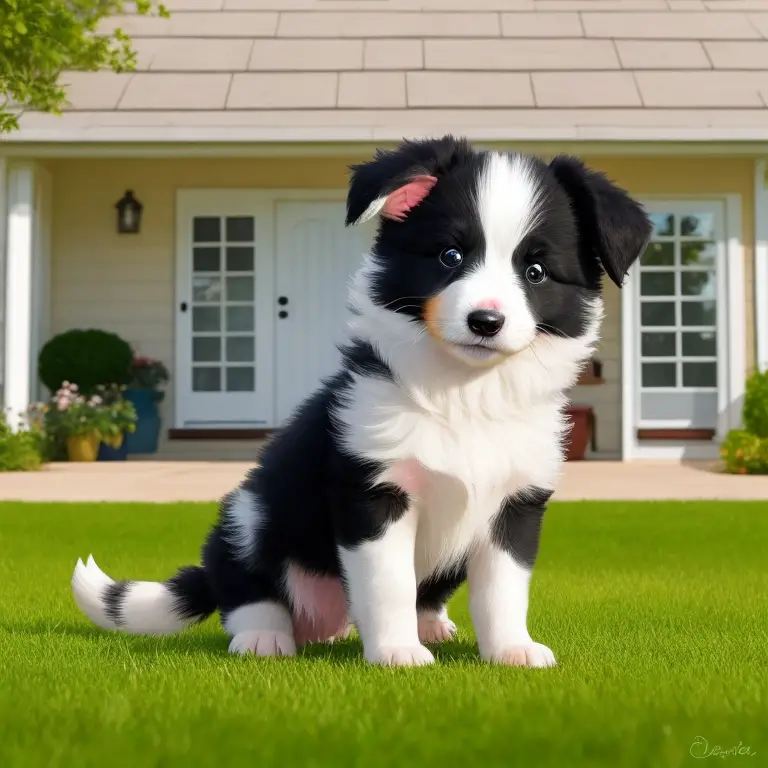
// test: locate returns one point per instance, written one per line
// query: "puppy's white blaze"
(88, 584)
(509, 203)
(243, 520)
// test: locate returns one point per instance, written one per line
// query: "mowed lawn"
(656, 612)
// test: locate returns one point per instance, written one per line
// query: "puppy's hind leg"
(251, 600)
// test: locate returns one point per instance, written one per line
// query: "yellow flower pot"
(115, 441)
(83, 447)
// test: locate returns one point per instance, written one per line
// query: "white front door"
(262, 281)
(316, 257)
(224, 330)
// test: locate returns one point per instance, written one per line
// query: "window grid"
(223, 364)
(678, 299)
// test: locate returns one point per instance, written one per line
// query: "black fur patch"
(517, 526)
(362, 359)
(192, 593)
(113, 598)
(435, 591)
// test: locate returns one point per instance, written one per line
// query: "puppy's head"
(489, 251)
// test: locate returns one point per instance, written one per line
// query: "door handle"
(183, 306)
(282, 314)
(282, 301)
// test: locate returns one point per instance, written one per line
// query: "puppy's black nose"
(485, 322)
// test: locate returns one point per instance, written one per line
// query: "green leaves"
(40, 39)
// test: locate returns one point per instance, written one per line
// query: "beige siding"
(126, 283)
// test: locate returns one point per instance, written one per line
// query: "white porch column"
(761, 265)
(18, 291)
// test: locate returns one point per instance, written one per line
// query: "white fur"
(264, 629)
(243, 520)
(498, 601)
(479, 434)
(382, 595)
(147, 607)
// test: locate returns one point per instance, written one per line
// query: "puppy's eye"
(451, 258)
(536, 273)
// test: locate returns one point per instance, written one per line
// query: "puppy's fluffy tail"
(143, 607)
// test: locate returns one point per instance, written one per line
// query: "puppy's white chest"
(459, 472)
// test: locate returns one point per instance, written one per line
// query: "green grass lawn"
(656, 612)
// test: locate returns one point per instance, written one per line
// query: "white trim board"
(731, 381)
(761, 266)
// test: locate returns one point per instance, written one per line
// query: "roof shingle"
(368, 67)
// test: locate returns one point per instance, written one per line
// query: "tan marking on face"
(431, 313)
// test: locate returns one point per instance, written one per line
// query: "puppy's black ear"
(391, 170)
(613, 228)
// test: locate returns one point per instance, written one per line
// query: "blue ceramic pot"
(108, 453)
(147, 435)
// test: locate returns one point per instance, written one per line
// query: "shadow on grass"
(340, 651)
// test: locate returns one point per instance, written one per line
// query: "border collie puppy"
(429, 458)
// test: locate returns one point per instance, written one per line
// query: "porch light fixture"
(128, 214)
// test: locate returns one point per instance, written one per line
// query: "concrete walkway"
(208, 481)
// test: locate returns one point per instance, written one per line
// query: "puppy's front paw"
(400, 656)
(263, 643)
(433, 629)
(528, 654)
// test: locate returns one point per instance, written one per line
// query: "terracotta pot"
(582, 420)
(83, 447)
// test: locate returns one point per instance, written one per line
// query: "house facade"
(236, 131)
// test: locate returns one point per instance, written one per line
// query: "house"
(235, 134)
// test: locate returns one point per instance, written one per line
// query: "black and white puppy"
(429, 458)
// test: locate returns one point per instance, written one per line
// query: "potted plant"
(120, 421)
(145, 392)
(80, 420)
(745, 451)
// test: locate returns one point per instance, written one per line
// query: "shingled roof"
(368, 70)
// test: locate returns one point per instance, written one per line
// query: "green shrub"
(745, 453)
(88, 358)
(19, 451)
(755, 412)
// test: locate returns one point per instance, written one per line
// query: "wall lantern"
(128, 214)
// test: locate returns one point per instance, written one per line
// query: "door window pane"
(240, 319)
(240, 349)
(240, 259)
(206, 289)
(658, 345)
(206, 379)
(663, 224)
(698, 254)
(206, 259)
(659, 374)
(657, 283)
(701, 344)
(698, 225)
(657, 313)
(241, 379)
(240, 229)
(206, 319)
(659, 255)
(206, 349)
(240, 289)
(206, 229)
(697, 284)
(699, 374)
(699, 313)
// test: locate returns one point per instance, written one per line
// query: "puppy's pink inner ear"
(402, 200)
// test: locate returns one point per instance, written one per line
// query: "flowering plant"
(148, 373)
(70, 413)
